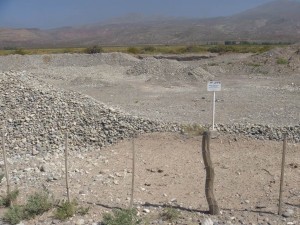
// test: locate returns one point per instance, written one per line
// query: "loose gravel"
(37, 115)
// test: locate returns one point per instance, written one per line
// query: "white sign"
(214, 86)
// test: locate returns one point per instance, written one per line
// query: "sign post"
(214, 86)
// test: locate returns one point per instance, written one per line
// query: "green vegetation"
(14, 215)
(282, 61)
(37, 204)
(170, 214)
(121, 217)
(193, 129)
(228, 47)
(149, 49)
(8, 199)
(254, 64)
(67, 209)
(20, 52)
(133, 50)
(93, 50)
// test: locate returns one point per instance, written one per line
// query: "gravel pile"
(262, 132)
(168, 72)
(37, 115)
(278, 61)
(26, 62)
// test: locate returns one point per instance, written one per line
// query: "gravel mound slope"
(278, 61)
(37, 115)
(168, 72)
(25, 62)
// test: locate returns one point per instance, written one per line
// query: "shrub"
(11, 197)
(282, 61)
(149, 49)
(82, 210)
(170, 214)
(66, 210)
(37, 204)
(93, 50)
(121, 217)
(19, 52)
(192, 49)
(14, 215)
(254, 64)
(133, 50)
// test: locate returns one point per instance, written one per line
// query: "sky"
(46, 14)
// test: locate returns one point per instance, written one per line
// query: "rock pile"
(262, 132)
(37, 115)
(278, 61)
(168, 72)
(26, 62)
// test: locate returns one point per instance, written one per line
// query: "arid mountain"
(275, 21)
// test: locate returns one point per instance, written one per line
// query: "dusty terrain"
(170, 169)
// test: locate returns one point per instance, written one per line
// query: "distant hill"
(275, 21)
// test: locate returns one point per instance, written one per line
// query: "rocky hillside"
(275, 21)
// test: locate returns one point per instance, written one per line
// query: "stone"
(207, 221)
(288, 213)
(80, 222)
(146, 210)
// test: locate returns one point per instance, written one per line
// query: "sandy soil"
(170, 172)
(170, 168)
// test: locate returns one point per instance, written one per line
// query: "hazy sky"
(58, 13)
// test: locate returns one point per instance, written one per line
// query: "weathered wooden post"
(66, 165)
(133, 173)
(282, 174)
(5, 162)
(210, 174)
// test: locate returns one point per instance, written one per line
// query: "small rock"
(288, 213)
(173, 200)
(80, 222)
(21, 223)
(116, 182)
(207, 221)
(146, 210)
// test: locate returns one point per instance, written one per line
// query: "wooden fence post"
(133, 173)
(5, 162)
(210, 174)
(66, 166)
(282, 174)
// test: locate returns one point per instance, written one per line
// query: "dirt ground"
(169, 167)
(170, 172)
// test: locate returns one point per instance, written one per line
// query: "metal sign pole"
(214, 86)
(214, 111)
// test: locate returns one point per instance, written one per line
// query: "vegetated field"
(256, 89)
(150, 49)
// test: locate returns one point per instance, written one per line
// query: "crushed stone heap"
(37, 116)
(168, 72)
(26, 62)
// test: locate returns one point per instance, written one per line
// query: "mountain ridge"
(277, 21)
